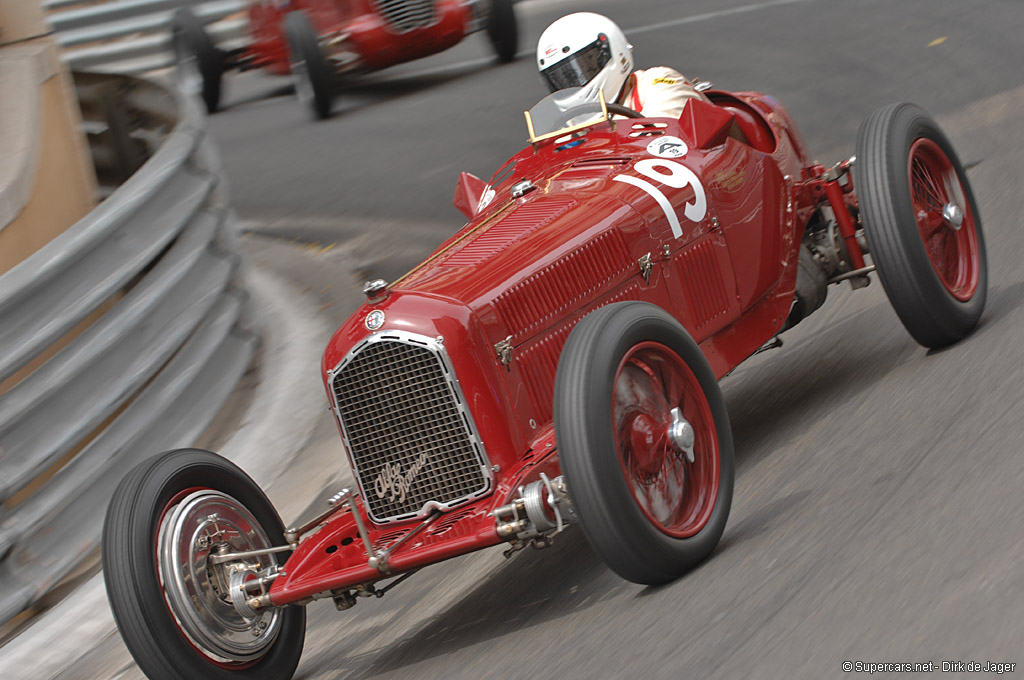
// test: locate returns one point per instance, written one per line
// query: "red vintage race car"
(555, 362)
(319, 40)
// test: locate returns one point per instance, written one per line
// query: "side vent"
(702, 282)
(384, 540)
(538, 361)
(648, 129)
(516, 225)
(610, 161)
(564, 285)
(446, 522)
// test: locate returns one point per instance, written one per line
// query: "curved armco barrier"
(133, 36)
(152, 274)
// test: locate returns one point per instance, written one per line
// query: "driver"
(587, 49)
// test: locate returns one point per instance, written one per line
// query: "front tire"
(312, 75)
(199, 65)
(167, 516)
(503, 30)
(628, 375)
(922, 224)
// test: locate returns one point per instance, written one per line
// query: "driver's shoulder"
(659, 75)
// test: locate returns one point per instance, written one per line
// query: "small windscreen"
(561, 111)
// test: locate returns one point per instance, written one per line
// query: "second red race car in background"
(318, 40)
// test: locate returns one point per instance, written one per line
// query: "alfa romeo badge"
(375, 319)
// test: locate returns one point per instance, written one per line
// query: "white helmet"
(585, 49)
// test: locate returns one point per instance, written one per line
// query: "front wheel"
(198, 63)
(644, 441)
(175, 609)
(503, 30)
(922, 223)
(311, 72)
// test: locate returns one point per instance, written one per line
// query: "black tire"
(132, 570)
(601, 480)
(198, 62)
(313, 77)
(503, 30)
(934, 273)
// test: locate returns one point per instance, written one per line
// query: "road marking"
(707, 16)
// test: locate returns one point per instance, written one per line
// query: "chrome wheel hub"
(680, 433)
(203, 524)
(954, 215)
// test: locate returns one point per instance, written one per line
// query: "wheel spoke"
(930, 223)
(928, 191)
(950, 243)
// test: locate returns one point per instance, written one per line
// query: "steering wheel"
(593, 107)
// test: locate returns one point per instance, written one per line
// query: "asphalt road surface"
(878, 512)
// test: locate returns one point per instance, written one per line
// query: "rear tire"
(312, 75)
(199, 64)
(934, 270)
(163, 504)
(503, 30)
(649, 512)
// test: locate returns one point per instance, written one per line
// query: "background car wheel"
(634, 400)
(199, 65)
(922, 224)
(165, 518)
(502, 30)
(313, 78)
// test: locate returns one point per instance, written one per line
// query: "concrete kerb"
(284, 409)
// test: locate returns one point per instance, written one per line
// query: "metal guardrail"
(133, 36)
(157, 261)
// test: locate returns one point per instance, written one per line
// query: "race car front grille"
(404, 420)
(406, 15)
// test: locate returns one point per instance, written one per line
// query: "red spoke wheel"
(173, 606)
(945, 219)
(675, 494)
(644, 441)
(922, 224)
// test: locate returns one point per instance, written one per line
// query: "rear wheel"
(502, 30)
(199, 65)
(922, 223)
(312, 75)
(644, 441)
(174, 607)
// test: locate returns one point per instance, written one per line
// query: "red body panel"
(527, 269)
(366, 33)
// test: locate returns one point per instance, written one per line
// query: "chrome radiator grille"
(405, 423)
(406, 15)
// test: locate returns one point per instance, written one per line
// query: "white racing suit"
(658, 92)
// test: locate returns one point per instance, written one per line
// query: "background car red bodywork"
(368, 34)
(729, 280)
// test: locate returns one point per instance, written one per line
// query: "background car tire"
(131, 569)
(935, 274)
(503, 30)
(196, 59)
(614, 354)
(313, 77)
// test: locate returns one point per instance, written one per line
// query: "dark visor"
(580, 68)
